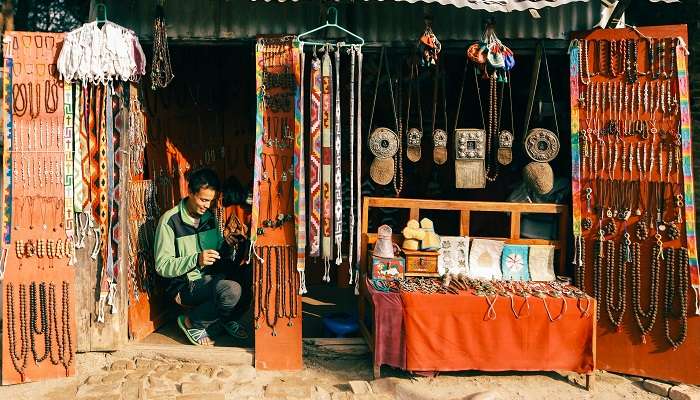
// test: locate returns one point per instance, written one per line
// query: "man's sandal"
(196, 336)
(235, 330)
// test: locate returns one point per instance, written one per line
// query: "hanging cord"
(358, 148)
(539, 54)
(351, 228)
(414, 79)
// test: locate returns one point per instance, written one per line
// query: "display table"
(444, 332)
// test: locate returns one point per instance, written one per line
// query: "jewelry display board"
(38, 307)
(633, 205)
(277, 303)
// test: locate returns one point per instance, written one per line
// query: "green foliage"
(50, 15)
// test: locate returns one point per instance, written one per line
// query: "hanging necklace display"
(439, 135)
(429, 46)
(383, 142)
(541, 145)
(414, 136)
(505, 137)
(470, 149)
(161, 69)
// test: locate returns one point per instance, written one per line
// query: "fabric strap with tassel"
(326, 165)
(337, 168)
(682, 73)
(299, 171)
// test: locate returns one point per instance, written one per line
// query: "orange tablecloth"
(449, 333)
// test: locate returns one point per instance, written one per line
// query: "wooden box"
(421, 263)
(387, 268)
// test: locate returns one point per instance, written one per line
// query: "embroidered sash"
(681, 62)
(87, 126)
(7, 167)
(68, 123)
(315, 159)
(299, 172)
(337, 166)
(326, 160)
(78, 149)
(257, 157)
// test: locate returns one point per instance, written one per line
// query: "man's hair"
(203, 178)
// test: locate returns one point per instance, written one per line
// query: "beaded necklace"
(673, 290)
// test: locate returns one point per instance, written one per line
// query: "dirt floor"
(328, 377)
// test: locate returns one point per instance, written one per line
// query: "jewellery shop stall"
(633, 207)
(67, 128)
(448, 284)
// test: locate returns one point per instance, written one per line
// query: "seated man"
(191, 251)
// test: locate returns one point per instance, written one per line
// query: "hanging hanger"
(331, 22)
(100, 19)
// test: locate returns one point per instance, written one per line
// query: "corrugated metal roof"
(206, 20)
(491, 5)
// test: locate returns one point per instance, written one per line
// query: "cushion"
(453, 255)
(541, 263)
(514, 262)
(485, 259)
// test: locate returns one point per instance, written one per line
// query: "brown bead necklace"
(619, 305)
(19, 361)
(679, 290)
(650, 313)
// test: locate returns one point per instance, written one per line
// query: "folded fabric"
(412, 234)
(514, 262)
(431, 241)
(485, 259)
(541, 263)
(453, 255)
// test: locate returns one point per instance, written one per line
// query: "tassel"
(327, 270)
(111, 296)
(350, 270)
(302, 282)
(98, 240)
(339, 258)
(357, 283)
(101, 307)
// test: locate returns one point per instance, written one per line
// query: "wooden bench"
(464, 208)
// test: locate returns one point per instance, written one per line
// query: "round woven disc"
(383, 143)
(541, 144)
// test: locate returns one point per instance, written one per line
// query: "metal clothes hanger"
(330, 23)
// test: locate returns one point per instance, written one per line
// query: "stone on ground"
(385, 385)
(122, 365)
(284, 389)
(242, 374)
(684, 392)
(360, 387)
(660, 388)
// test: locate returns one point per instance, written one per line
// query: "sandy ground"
(333, 374)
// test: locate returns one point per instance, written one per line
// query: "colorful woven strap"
(299, 171)
(326, 162)
(78, 99)
(682, 73)
(7, 148)
(87, 127)
(337, 168)
(68, 123)
(575, 153)
(257, 157)
(315, 159)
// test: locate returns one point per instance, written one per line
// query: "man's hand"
(207, 257)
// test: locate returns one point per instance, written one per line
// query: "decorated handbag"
(541, 145)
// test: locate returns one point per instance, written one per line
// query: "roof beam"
(617, 13)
